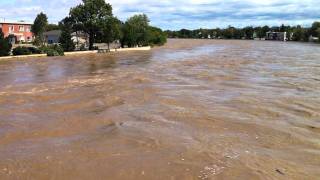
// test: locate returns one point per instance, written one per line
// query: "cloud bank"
(177, 14)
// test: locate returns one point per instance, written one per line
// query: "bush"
(21, 51)
(5, 46)
(52, 50)
(156, 36)
(59, 49)
(82, 47)
(25, 51)
(34, 50)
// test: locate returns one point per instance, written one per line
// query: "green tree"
(39, 27)
(90, 16)
(5, 46)
(248, 32)
(65, 39)
(314, 29)
(51, 27)
(111, 30)
(135, 30)
(156, 36)
(298, 34)
(229, 33)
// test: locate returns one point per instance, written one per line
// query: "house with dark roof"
(52, 37)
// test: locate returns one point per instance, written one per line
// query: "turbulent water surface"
(193, 109)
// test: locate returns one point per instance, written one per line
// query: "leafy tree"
(185, 33)
(90, 16)
(39, 27)
(5, 46)
(111, 30)
(229, 33)
(265, 29)
(156, 36)
(315, 29)
(135, 30)
(21, 51)
(248, 32)
(65, 39)
(51, 27)
(298, 34)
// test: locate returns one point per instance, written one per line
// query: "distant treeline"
(294, 33)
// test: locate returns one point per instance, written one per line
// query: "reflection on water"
(193, 109)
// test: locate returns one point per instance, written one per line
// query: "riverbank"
(146, 48)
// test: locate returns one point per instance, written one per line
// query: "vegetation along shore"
(88, 24)
(290, 33)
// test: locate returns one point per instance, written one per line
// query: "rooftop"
(15, 22)
(53, 33)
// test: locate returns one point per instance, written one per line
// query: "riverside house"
(276, 36)
(18, 31)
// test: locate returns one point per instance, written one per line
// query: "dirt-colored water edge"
(193, 109)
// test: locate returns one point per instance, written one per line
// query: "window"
(21, 28)
(0, 26)
(28, 29)
(11, 29)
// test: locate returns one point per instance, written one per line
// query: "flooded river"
(193, 109)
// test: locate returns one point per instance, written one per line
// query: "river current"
(192, 109)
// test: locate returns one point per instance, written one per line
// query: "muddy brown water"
(193, 109)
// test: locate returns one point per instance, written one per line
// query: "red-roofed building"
(20, 30)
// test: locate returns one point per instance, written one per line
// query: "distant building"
(52, 37)
(313, 39)
(18, 31)
(256, 38)
(79, 38)
(276, 36)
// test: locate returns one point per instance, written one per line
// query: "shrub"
(59, 49)
(82, 47)
(21, 51)
(34, 50)
(43, 49)
(53, 50)
(5, 46)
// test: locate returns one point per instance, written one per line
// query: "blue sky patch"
(177, 14)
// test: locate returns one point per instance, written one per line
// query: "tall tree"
(136, 30)
(65, 39)
(89, 16)
(248, 32)
(111, 30)
(51, 27)
(314, 29)
(39, 27)
(5, 46)
(156, 36)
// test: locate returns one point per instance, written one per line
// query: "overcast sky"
(177, 14)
